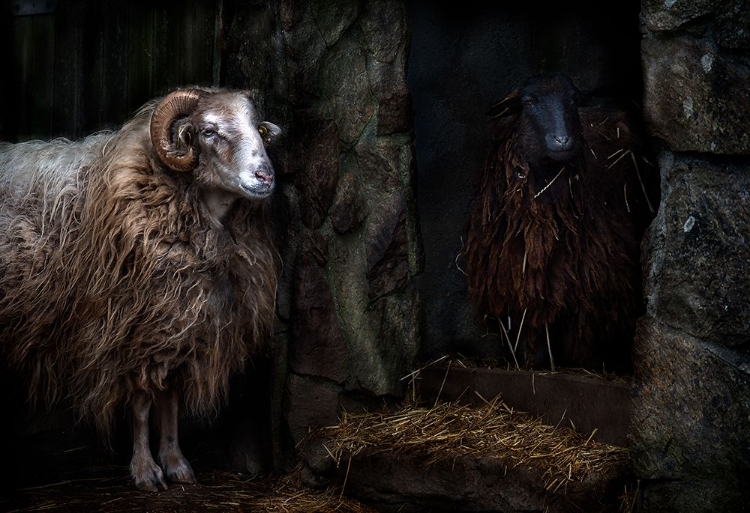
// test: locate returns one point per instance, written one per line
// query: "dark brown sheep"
(553, 245)
(137, 266)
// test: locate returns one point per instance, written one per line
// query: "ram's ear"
(171, 132)
(184, 135)
(508, 106)
(268, 132)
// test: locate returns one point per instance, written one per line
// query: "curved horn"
(172, 107)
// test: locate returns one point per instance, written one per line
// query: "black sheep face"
(549, 127)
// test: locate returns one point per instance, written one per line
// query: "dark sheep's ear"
(508, 106)
(594, 98)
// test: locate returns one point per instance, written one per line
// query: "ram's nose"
(265, 175)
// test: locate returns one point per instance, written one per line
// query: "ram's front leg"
(176, 467)
(146, 473)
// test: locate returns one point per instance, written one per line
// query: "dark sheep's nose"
(560, 142)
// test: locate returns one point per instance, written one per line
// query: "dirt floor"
(54, 472)
(106, 489)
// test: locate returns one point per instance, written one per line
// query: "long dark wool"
(113, 278)
(566, 262)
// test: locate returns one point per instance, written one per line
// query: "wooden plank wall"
(89, 65)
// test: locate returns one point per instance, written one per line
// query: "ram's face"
(232, 142)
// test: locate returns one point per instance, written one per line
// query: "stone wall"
(690, 444)
(334, 77)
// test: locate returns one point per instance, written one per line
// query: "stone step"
(472, 484)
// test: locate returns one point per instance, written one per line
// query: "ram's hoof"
(177, 470)
(148, 478)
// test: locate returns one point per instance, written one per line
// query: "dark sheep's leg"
(176, 468)
(146, 473)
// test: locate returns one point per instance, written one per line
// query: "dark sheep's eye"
(208, 132)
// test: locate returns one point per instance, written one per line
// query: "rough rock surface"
(697, 99)
(688, 441)
(345, 205)
(689, 444)
(699, 248)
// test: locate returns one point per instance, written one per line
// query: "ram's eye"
(209, 132)
(263, 131)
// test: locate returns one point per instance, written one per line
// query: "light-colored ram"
(137, 267)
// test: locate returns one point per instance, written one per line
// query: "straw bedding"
(449, 431)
